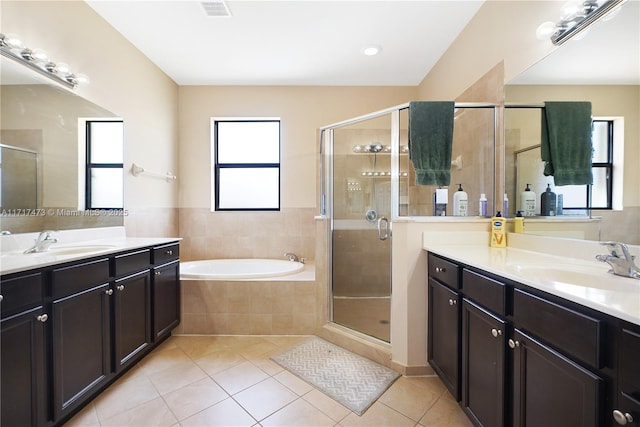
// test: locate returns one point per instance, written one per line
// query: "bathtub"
(238, 269)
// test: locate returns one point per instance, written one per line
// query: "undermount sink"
(567, 274)
(78, 250)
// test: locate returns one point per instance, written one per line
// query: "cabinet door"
(81, 346)
(132, 319)
(552, 390)
(444, 335)
(483, 376)
(23, 369)
(166, 299)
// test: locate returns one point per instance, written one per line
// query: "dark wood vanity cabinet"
(483, 365)
(69, 330)
(22, 351)
(532, 359)
(444, 311)
(627, 407)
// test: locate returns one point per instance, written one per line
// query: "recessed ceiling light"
(371, 50)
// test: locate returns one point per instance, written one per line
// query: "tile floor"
(230, 381)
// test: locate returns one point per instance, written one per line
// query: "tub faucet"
(292, 257)
(621, 261)
(42, 243)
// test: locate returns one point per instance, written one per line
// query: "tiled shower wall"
(213, 235)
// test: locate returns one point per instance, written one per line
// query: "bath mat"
(352, 380)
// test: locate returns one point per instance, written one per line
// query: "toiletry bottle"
(483, 205)
(505, 206)
(559, 204)
(528, 202)
(460, 202)
(548, 202)
(440, 199)
(498, 235)
(518, 223)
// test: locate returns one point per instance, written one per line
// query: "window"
(600, 195)
(246, 159)
(104, 164)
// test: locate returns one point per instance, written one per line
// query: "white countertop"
(105, 241)
(614, 295)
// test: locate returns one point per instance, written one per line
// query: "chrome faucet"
(292, 257)
(621, 261)
(42, 243)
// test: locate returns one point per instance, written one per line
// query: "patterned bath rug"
(352, 380)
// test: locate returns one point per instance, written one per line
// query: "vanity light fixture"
(575, 17)
(37, 59)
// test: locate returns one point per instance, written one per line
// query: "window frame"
(89, 166)
(218, 166)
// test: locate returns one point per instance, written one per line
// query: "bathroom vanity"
(527, 339)
(76, 318)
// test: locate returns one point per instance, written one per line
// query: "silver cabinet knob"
(157, 273)
(514, 344)
(120, 287)
(452, 301)
(169, 252)
(42, 318)
(622, 418)
(1, 298)
(440, 269)
(109, 292)
(496, 332)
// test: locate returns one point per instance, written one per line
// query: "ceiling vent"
(217, 9)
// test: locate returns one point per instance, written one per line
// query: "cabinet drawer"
(77, 278)
(485, 291)
(574, 333)
(20, 293)
(445, 271)
(166, 253)
(629, 359)
(132, 262)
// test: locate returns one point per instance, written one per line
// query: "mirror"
(603, 68)
(42, 118)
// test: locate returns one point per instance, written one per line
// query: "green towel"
(430, 141)
(566, 146)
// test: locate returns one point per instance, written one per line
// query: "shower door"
(361, 226)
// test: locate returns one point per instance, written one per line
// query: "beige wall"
(123, 81)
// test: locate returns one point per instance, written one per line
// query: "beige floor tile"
(410, 398)
(197, 346)
(160, 360)
(122, 396)
(224, 414)
(265, 398)
(151, 414)
(267, 365)
(445, 413)
(240, 377)
(335, 410)
(184, 373)
(219, 361)
(258, 349)
(294, 383)
(298, 414)
(193, 398)
(87, 417)
(378, 415)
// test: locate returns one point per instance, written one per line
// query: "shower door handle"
(383, 235)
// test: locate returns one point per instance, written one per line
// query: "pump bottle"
(460, 202)
(528, 202)
(548, 202)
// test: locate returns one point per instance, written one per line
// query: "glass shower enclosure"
(367, 183)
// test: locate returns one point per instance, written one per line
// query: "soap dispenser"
(460, 202)
(528, 202)
(548, 202)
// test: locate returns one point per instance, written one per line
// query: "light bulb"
(62, 68)
(82, 79)
(545, 30)
(571, 9)
(357, 148)
(371, 50)
(39, 55)
(13, 41)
